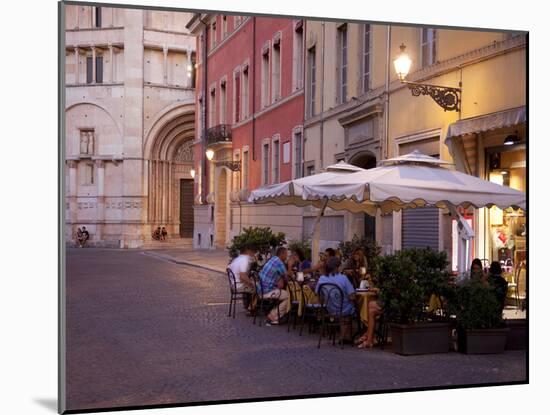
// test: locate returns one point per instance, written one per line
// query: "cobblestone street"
(144, 331)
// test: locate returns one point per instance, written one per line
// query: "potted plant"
(406, 281)
(263, 238)
(480, 327)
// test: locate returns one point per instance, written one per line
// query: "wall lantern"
(446, 97)
(231, 165)
(192, 172)
(210, 154)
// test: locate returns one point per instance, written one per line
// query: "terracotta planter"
(420, 338)
(517, 335)
(482, 341)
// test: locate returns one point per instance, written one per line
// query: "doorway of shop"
(186, 208)
(366, 160)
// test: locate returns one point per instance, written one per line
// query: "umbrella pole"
(316, 234)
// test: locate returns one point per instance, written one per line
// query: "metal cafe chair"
(515, 284)
(310, 312)
(293, 288)
(332, 303)
(235, 295)
(263, 305)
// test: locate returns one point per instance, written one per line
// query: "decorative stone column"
(76, 66)
(111, 64)
(100, 165)
(165, 64)
(189, 63)
(72, 192)
(93, 64)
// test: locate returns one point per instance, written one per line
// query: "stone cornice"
(440, 68)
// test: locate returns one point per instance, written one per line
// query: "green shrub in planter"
(406, 281)
(262, 238)
(479, 318)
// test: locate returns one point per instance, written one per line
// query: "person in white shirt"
(241, 269)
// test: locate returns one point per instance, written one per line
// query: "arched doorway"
(366, 160)
(169, 144)
(221, 208)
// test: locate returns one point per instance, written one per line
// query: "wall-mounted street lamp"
(231, 165)
(446, 97)
(192, 172)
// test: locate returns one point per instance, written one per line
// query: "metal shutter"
(420, 228)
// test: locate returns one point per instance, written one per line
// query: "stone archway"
(169, 146)
(366, 160)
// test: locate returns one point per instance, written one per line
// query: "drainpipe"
(204, 109)
(253, 88)
(384, 146)
(322, 126)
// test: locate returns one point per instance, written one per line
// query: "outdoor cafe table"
(363, 300)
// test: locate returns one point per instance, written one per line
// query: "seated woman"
(352, 267)
(80, 237)
(163, 234)
(476, 269)
(156, 234)
(366, 341)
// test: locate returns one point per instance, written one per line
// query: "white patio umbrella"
(409, 181)
(290, 193)
(414, 180)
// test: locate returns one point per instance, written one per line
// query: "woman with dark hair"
(498, 283)
(354, 266)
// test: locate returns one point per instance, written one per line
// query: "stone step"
(169, 243)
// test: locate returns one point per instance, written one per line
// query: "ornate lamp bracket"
(446, 97)
(231, 165)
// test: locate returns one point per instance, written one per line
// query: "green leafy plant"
(407, 280)
(303, 245)
(401, 296)
(262, 238)
(369, 247)
(476, 306)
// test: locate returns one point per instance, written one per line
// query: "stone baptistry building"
(130, 122)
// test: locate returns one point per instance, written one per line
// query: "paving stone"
(145, 331)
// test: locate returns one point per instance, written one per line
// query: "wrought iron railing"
(220, 133)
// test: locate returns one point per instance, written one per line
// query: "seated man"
(273, 281)
(85, 236)
(333, 276)
(241, 269)
(156, 234)
(320, 266)
(163, 233)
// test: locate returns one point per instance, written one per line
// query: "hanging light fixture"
(402, 63)
(210, 154)
(511, 139)
(446, 97)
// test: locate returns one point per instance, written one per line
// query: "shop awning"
(487, 122)
(475, 125)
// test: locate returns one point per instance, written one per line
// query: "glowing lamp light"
(402, 63)
(192, 172)
(210, 154)
(511, 139)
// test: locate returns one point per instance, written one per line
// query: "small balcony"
(218, 135)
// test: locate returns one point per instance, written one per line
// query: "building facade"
(249, 116)
(357, 110)
(130, 124)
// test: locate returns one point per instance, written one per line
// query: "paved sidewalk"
(211, 259)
